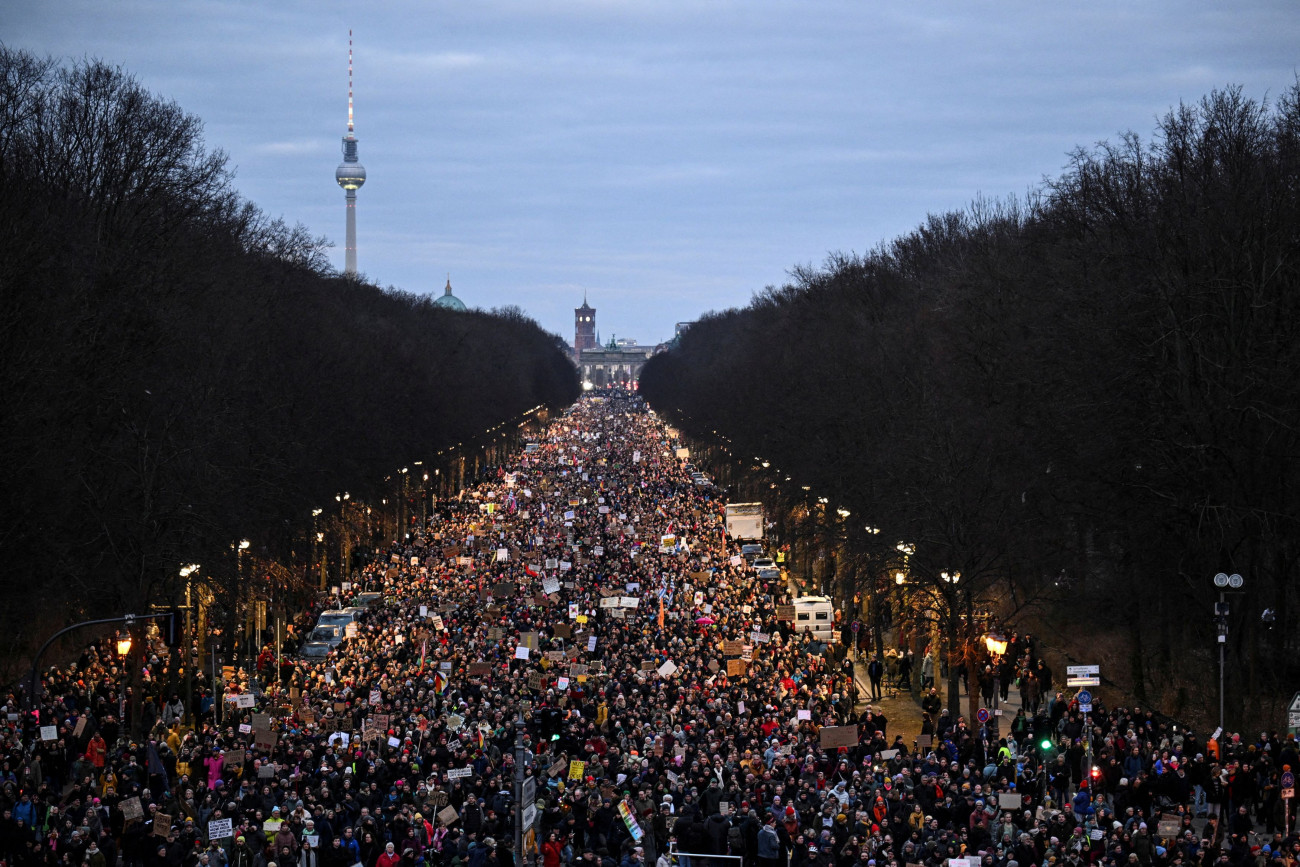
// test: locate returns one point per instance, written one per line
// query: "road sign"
(1083, 681)
(1084, 697)
(1287, 782)
(856, 626)
(982, 714)
(1082, 670)
(1085, 708)
(1293, 714)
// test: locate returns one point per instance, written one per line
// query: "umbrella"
(706, 620)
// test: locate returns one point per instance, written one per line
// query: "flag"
(661, 612)
(439, 683)
(424, 646)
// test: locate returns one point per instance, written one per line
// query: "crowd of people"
(588, 599)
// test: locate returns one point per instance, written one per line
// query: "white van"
(815, 614)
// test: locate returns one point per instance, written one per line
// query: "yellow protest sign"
(576, 768)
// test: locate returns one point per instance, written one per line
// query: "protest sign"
(833, 737)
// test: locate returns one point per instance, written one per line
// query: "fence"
(700, 859)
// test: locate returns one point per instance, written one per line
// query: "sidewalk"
(904, 712)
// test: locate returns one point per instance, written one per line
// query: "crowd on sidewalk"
(670, 713)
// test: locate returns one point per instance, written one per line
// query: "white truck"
(815, 614)
(745, 520)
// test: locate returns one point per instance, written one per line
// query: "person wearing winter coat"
(769, 844)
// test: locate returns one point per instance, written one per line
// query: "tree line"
(1083, 401)
(181, 371)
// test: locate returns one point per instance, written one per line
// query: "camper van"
(815, 614)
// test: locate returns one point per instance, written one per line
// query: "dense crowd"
(670, 713)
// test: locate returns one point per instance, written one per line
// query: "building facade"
(584, 329)
(617, 364)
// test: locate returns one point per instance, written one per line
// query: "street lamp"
(996, 643)
(123, 645)
(899, 578)
(1223, 580)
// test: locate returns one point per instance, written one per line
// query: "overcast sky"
(667, 158)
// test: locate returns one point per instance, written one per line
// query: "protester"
(670, 711)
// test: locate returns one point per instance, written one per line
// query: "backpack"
(735, 840)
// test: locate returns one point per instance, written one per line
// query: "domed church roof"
(451, 302)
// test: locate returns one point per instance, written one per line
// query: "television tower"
(350, 176)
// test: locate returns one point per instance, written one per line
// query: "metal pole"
(217, 695)
(519, 787)
(189, 652)
(1223, 640)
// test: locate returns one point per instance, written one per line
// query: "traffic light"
(1043, 735)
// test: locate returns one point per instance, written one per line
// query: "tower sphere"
(350, 176)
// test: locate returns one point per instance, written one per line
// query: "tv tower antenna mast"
(350, 175)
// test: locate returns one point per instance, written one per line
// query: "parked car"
(331, 635)
(769, 574)
(764, 563)
(315, 650)
(368, 600)
(751, 550)
(339, 617)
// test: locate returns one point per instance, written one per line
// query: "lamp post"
(949, 581)
(345, 538)
(187, 572)
(239, 582)
(401, 506)
(1223, 580)
(316, 538)
(123, 650)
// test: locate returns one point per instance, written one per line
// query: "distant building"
(449, 301)
(584, 329)
(616, 364)
(350, 175)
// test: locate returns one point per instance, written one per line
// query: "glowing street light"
(124, 644)
(996, 643)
